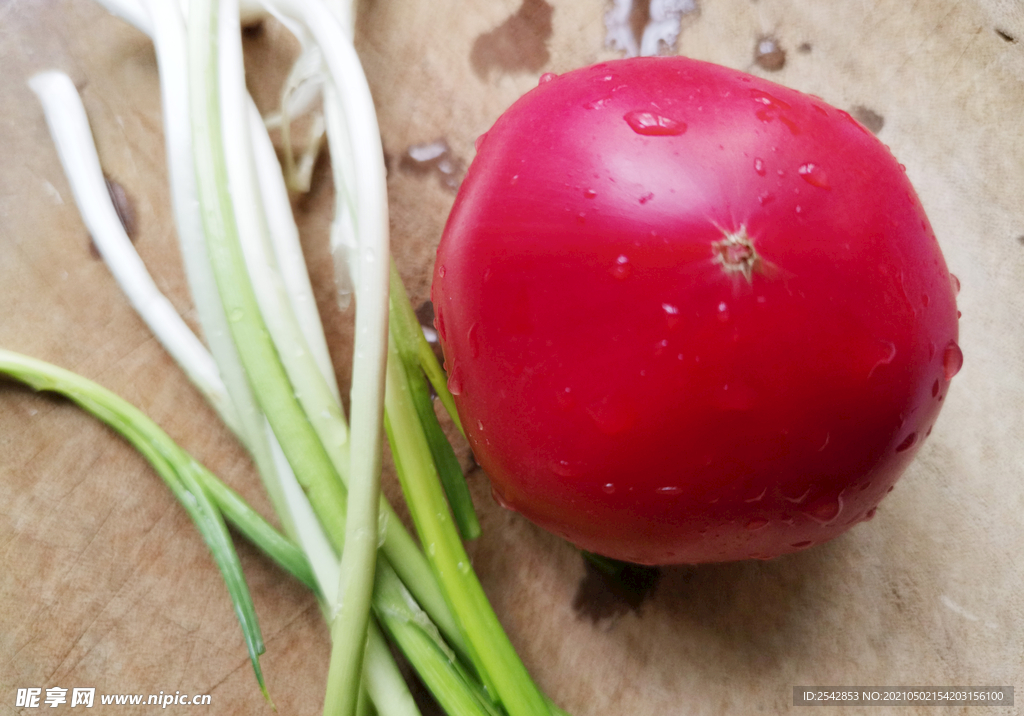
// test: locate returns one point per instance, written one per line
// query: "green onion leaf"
(408, 336)
(177, 468)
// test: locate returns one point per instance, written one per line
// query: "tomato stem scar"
(736, 253)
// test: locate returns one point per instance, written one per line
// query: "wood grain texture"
(105, 583)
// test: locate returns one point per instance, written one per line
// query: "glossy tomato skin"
(689, 315)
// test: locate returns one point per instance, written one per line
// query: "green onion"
(408, 337)
(256, 529)
(493, 655)
(272, 380)
(305, 449)
(180, 472)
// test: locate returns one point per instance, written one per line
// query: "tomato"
(690, 315)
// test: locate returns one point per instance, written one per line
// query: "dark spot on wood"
(253, 30)
(1006, 36)
(612, 589)
(518, 44)
(434, 158)
(321, 186)
(425, 314)
(804, 48)
(768, 54)
(1020, 239)
(869, 118)
(125, 209)
(639, 16)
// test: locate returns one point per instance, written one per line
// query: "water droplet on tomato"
(480, 425)
(723, 311)
(479, 142)
(621, 269)
(814, 175)
(802, 545)
(502, 499)
(670, 491)
(546, 77)
(608, 488)
(581, 218)
(646, 197)
(756, 524)
(908, 442)
(759, 496)
(952, 360)
(651, 124)
(869, 515)
(660, 347)
(759, 166)
(472, 336)
(886, 352)
(762, 97)
(765, 198)
(669, 309)
(955, 283)
(439, 325)
(455, 381)
(825, 510)
(441, 270)
(590, 193)
(564, 468)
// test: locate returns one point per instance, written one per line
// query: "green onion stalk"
(270, 376)
(192, 485)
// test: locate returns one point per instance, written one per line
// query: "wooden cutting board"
(104, 582)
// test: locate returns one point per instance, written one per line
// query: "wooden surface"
(104, 583)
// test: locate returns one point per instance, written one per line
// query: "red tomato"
(690, 315)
